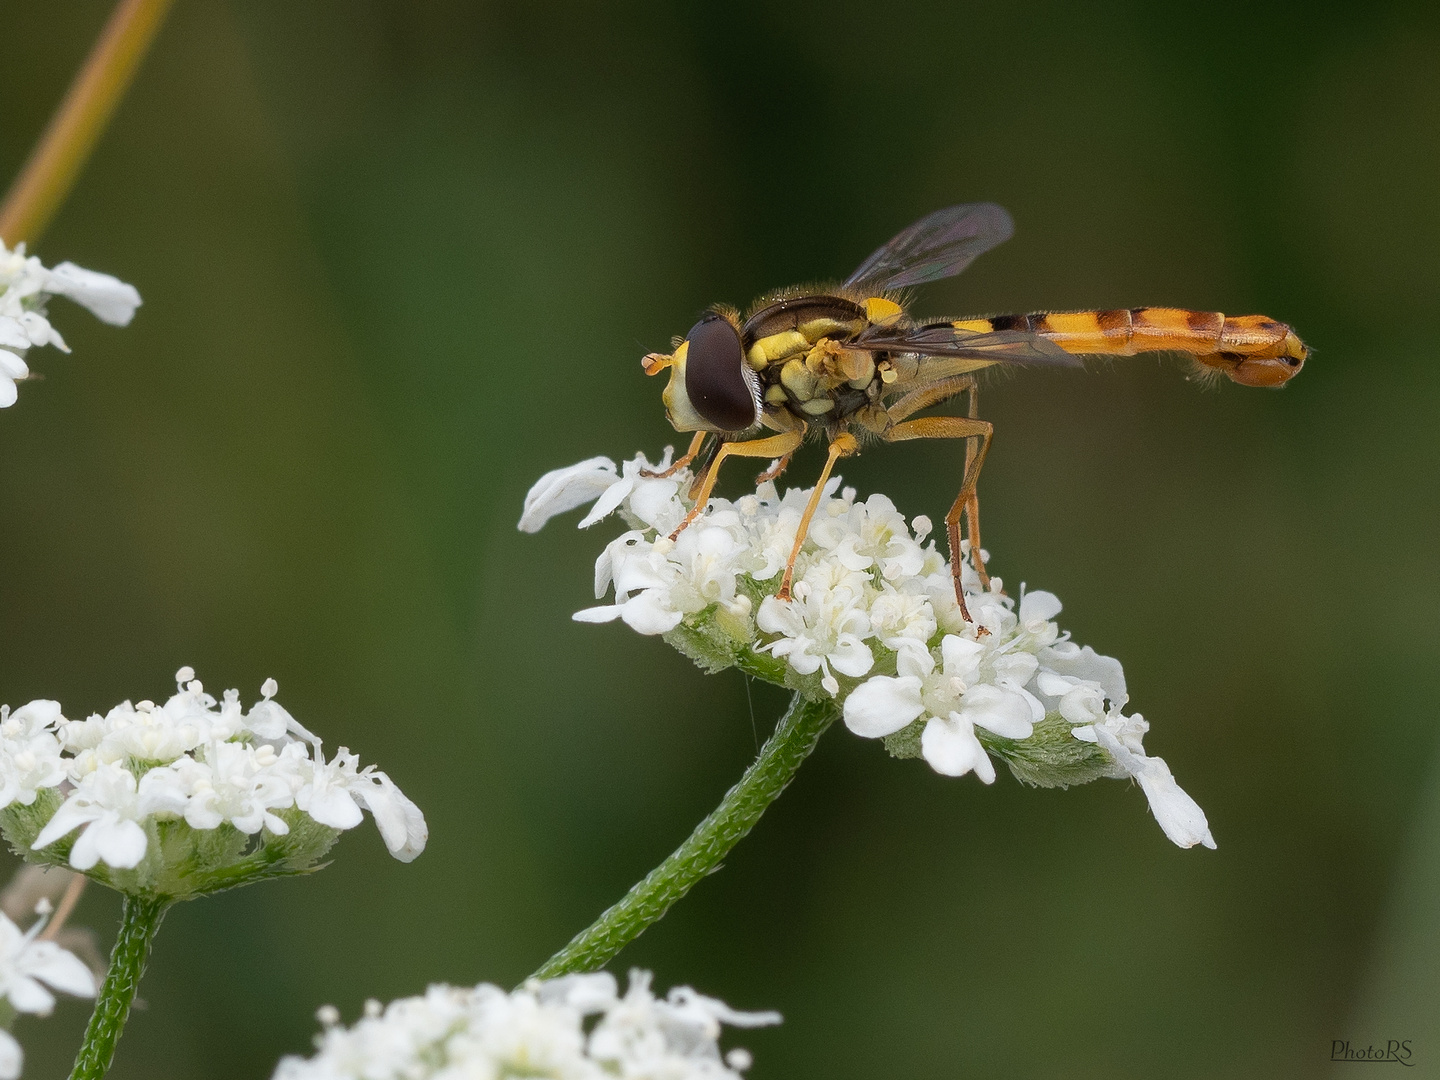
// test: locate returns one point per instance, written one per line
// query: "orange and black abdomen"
(1250, 349)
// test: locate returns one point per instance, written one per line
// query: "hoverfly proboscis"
(849, 362)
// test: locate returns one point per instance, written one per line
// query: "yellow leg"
(954, 427)
(843, 446)
(772, 446)
(923, 398)
(688, 457)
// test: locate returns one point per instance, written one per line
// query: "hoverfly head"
(711, 387)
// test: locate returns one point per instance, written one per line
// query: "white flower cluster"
(28, 966)
(873, 622)
(118, 777)
(25, 287)
(578, 1027)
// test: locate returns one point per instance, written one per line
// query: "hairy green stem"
(795, 736)
(139, 920)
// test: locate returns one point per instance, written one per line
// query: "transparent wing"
(935, 247)
(999, 346)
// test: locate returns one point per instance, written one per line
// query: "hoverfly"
(850, 363)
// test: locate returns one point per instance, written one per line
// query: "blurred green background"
(399, 259)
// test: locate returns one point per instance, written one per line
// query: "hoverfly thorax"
(711, 386)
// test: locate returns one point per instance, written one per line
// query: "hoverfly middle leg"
(684, 460)
(772, 446)
(843, 445)
(955, 427)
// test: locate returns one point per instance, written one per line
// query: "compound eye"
(715, 376)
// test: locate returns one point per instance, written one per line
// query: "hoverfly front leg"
(688, 457)
(843, 445)
(773, 446)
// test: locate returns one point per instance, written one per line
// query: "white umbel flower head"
(127, 796)
(578, 1027)
(872, 624)
(25, 287)
(31, 971)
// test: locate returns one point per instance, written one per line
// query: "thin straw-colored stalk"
(57, 159)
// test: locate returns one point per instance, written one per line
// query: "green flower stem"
(646, 903)
(139, 920)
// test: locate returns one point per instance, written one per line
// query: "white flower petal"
(1004, 712)
(12, 1057)
(108, 298)
(950, 746)
(646, 613)
(607, 503)
(565, 489)
(882, 705)
(28, 996)
(1178, 814)
(1039, 606)
(60, 968)
(603, 614)
(13, 336)
(120, 843)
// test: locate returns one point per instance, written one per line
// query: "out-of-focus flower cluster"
(186, 797)
(873, 623)
(25, 288)
(578, 1027)
(31, 969)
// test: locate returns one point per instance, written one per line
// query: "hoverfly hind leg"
(956, 427)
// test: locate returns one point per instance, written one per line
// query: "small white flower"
(952, 699)
(823, 626)
(234, 783)
(542, 1030)
(335, 792)
(29, 752)
(25, 286)
(109, 807)
(1178, 814)
(29, 970)
(28, 966)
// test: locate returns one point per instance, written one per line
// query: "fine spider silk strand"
(794, 738)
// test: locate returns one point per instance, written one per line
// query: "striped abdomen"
(1250, 349)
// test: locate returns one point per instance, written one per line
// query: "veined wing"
(937, 246)
(997, 346)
